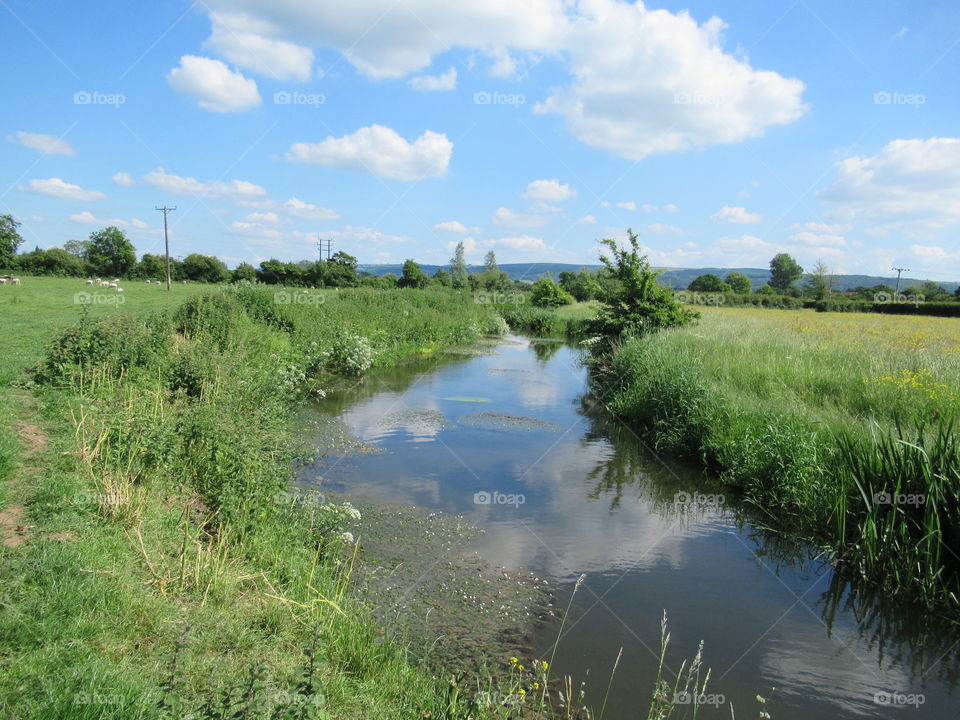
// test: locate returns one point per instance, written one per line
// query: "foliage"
(546, 293)
(582, 285)
(350, 354)
(638, 304)
(739, 283)
(204, 268)
(413, 276)
(244, 272)
(708, 283)
(458, 268)
(110, 253)
(784, 272)
(10, 240)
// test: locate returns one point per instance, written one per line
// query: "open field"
(158, 562)
(34, 310)
(841, 427)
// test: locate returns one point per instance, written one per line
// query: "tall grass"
(811, 417)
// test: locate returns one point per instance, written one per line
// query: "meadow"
(840, 427)
(161, 568)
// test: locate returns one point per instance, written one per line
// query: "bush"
(350, 355)
(546, 293)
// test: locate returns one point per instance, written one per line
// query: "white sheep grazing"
(14, 281)
(3, 281)
(116, 280)
(89, 282)
(113, 285)
(158, 282)
(119, 289)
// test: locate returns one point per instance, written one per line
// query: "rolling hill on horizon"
(675, 277)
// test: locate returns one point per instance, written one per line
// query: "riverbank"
(157, 558)
(838, 427)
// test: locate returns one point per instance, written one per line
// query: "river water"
(510, 440)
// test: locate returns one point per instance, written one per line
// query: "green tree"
(413, 276)
(819, 281)
(931, 291)
(636, 303)
(708, 283)
(442, 277)
(492, 278)
(244, 271)
(784, 272)
(10, 240)
(77, 247)
(341, 270)
(458, 268)
(55, 262)
(110, 253)
(739, 283)
(582, 285)
(204, 268)
(766, 290)
(547, 293)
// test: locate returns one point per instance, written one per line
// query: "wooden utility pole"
(166, 238)
(899, 270)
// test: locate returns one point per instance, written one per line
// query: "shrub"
(350, 355)
(546, 293)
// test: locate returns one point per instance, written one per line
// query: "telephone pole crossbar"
(899, 271)
(166, 238)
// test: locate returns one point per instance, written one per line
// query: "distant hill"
(675, 277)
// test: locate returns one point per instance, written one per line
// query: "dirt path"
(13, 531)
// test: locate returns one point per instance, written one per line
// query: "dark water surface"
(566, 492)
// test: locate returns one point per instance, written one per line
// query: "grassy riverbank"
(156, 564)
(842, 427)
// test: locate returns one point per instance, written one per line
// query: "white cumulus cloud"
(47, 144)
(55, 187)
(178, 185)
(455, 226)
(237, 38)
(380, 151)
(909, 183)
(508, 218)
(435, 83)
(123, 179)
(548, 191)
(215, 86)
(737, 215)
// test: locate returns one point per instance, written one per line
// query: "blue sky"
(721, 132)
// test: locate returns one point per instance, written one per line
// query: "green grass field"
(159, 570)
(819, 419)
(35, 309)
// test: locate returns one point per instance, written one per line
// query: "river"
(510, 439)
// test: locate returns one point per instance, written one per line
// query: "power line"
(899, 271)
(166, 238)
(324, 244)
